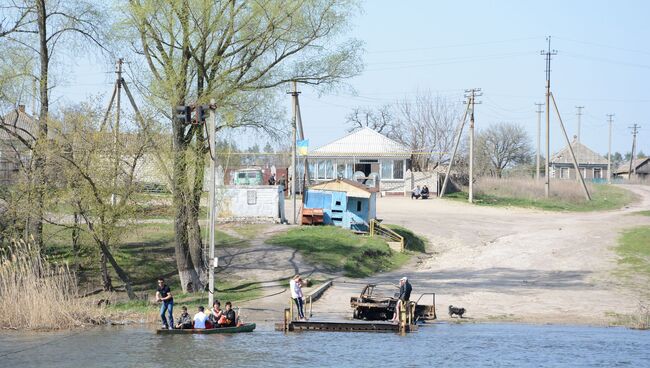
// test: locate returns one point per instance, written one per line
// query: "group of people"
(214, 319)
(418, 193)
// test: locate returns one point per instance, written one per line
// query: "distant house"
(640, 169)
(592, 165)
(344, 202)
(17, 126)
(364, 156)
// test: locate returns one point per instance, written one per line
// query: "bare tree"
(237, 52)
(503, 145)
(380, 120)
(426, 125)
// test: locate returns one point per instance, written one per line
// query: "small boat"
(247, 327)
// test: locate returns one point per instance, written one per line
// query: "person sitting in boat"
(185, 321)
(215, 313)
(200, 318)
(229, 318)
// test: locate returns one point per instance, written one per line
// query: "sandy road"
(506, 264)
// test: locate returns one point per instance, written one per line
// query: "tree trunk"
(187, 273)
(107, 284)
(75, 243)
(124, 277)
(193, 210)
(38, 183)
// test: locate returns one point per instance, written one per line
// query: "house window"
(251, 197)
(597, 173)
(329, 169)
(358, 206)
(564, 173)
(386, 169)
(321, 169)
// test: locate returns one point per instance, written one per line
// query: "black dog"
(457, 311)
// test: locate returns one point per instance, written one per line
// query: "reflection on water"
(433, 345)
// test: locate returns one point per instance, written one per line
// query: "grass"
(412, 241)
(341, 250)
(225, 292)
(641, 213)
(604, 197)
(634, 250)
(145, 251)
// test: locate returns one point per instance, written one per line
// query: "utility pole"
(635, 129)
(461, 125)
(116, 130)
(211, 199)
(548, 53)
(294, 93)
(471, 94)
(579, 113)
(609, 152)
(539, 134)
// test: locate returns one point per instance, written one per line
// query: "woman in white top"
(295, 285)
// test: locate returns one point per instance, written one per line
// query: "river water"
(440, 344)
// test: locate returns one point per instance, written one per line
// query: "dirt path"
(513, 264)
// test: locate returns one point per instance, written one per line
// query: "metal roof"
(363, 142)
(583, 154)
(352, 188)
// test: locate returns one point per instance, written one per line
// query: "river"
(440, 344)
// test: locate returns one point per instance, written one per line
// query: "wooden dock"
(344, 326)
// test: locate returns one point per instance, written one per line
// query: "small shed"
(344, 202)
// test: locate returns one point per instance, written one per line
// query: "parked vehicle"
(251, 176)
(372, 305)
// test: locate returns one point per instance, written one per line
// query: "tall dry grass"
(36, 294)
(531, 189)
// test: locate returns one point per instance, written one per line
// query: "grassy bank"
(412, 241)
(341, 250)
(634, 250)
(604, 197)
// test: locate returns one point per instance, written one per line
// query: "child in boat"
(229, 318)
(200, 318)
(185, 321)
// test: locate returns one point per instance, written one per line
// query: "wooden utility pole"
(539, 135)
(609, 152)
(471, 95)
(635, 129)
(548, 53)
(211, 199)
(573, 156)
(294, 93)
(116, 130)
(579, 114)
(461, 125)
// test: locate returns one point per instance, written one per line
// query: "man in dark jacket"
(403, 297)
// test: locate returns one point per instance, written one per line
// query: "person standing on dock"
(164, 295)
(295, 285)
(405, 289)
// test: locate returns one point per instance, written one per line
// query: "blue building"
(344, 202)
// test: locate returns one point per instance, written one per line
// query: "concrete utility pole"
(471, 94)
(548, 53)
(212, 144)
(635, 129)
(294, 93)
(539, 136)
(609, 152)
(579, 113)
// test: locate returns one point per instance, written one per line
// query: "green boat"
(247, 327)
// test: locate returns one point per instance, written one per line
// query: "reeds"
(36, 294)
(530, 189)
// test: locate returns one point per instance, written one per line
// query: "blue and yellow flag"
(302, 146)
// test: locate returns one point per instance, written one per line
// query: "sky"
(602, 63)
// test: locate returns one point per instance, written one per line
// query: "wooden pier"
(345, 326)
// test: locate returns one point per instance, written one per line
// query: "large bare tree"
(501, 146)
(381, 120)
(241, 53)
